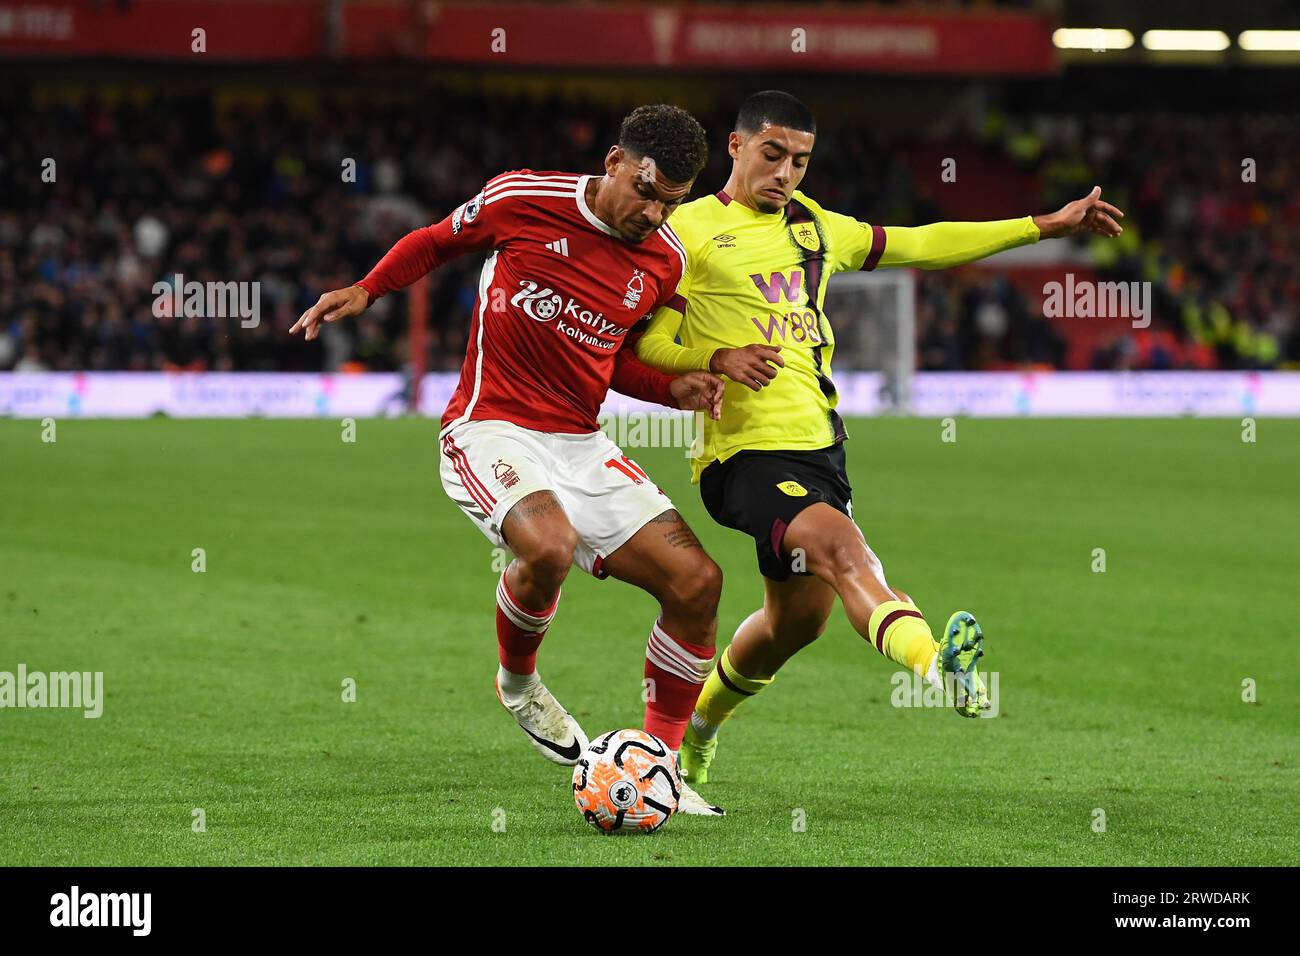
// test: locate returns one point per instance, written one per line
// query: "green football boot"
(960, 649)
(695, 756)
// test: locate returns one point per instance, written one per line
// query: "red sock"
(678, 670)
(519, 630)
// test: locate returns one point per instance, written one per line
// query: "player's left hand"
(699, 391)
(1088, 214)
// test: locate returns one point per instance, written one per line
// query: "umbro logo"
(725, 241)
(559, 247)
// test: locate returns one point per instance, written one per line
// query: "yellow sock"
(899, 631)
(723, 692)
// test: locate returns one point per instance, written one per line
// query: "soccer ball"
(627, 782)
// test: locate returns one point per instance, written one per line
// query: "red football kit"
(557, 297)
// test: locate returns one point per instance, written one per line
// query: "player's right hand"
(332, 306)
(753, 365)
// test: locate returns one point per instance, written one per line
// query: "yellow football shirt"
(755, 277)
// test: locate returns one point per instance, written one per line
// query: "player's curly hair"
(670, 136)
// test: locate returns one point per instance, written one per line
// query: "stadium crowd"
(105, 198)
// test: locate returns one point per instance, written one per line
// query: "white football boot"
(693, 805)
(550, 728)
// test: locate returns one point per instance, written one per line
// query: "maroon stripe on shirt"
(877, 248)
(723, 198)
(677, 302)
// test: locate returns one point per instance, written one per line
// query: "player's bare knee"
(846, 560)
(547, 561)
(556, 554)
(696, 590)
(539, 533)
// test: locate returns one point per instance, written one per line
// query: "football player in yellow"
(759, 254)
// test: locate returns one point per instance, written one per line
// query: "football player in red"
(575, 264)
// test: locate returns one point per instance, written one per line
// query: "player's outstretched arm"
(472, 227)
(415, 254)
(941, 245)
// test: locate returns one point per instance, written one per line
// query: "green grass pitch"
(1120, 691)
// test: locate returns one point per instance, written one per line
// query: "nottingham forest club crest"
(635, 286)
(805, 234)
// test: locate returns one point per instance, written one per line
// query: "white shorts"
(488, 466)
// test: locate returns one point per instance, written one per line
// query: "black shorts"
(760, 492)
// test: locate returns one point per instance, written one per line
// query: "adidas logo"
(725, 241)
(559, 246)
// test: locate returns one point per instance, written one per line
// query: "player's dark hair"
(670, 136)
(776, 108)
